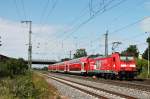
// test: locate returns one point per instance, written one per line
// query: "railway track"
(94, 91)
(140, 85)
(134, 85)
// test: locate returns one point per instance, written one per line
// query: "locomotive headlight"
(133, 65)
(114, 65)
(123, 65)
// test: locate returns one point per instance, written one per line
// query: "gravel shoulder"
(67, 92)
(124, 90)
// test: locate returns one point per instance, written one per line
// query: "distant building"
(2, 57)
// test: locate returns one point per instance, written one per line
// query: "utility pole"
(30, 45)
(106, 43)
(148, 55)
(70, 54)
(115, 45)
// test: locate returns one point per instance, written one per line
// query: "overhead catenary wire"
(75, 28)
(45, 16)
(122, 29)
(54, 3)
(92, 17)
(17, 9)
(44, 10)
(135, 36)
(83, 12)
(96, 13)
(75, 20)
(53, 7)
(23, 8)
(128, 25)
(117, 18)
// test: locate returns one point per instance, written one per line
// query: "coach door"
(68, 68)
(82, 67)
(98, 64)
(65, 68)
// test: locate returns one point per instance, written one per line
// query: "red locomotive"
(114, 66)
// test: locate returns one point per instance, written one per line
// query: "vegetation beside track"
(12, 67)
(142, 66)
(18, 87)
(17, 82)
(28, 86)
(45, 90)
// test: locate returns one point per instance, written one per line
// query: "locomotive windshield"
(126, 58)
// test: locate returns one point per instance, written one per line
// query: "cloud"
(145, 24)
(15, 39)
(47, 41)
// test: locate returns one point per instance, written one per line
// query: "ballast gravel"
(123, 90)
(69, 92)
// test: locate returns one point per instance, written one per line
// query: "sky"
(61, 26)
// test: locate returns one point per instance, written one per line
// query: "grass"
(45, 90)
(27, 87)
(16, 88)
(142, 65)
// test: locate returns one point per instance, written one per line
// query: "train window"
(126, 58)
(130, 58)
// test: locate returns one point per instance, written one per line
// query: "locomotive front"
(127, 67)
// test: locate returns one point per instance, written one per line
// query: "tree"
(148, 40)
(80, 53)
(145, 54)
(131, 50)
(45, 68)
(11, 67)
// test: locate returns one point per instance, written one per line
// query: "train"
(111, 67)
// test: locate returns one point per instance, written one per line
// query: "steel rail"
(88, 92)
(135, 85)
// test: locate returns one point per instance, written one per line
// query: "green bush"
(3, 69)
(142, 67)
(12, 67)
